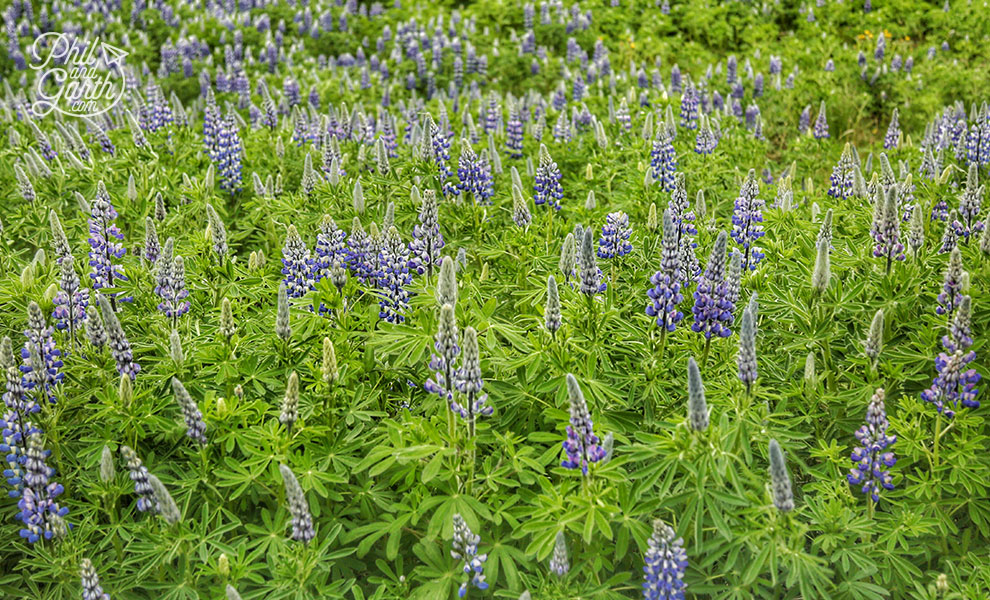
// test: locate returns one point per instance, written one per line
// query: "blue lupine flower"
(147, 502)
(582, 446)
(665, 563)
(442, 363)
(465, 547)
(331, 249)
(44, 375)
(804, 122)
(559, 562)
(546, 186)
(474, 173)
(297, 265)
(960, 329)
(665, 294)
(195, 426)
(91, 582)
(440, 144)
(712, 309)
(622, 115)
(951, 294)
(663, 160)
(427, 240)
(228, 154)
(954, 384)
(683, 217)
(590, 274)
(843, 174)
(119, 346)
(469, 382)
(872, 459)
(706, 140)
(821, 124)
(689, 107)
(41, 516)
(514, 133)
(361, 255)
(562, 129)
(893, 135)
(105, 246)
(302, 520)
(969, 205)
(393, 277)
(881, 46)
(615, 236)
(887, 235)
(170, 276)
(746, 221)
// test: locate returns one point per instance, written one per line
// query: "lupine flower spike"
(872, 459)
(559, 562)
(302, 521)
(697, 407)
(119, 345)
(746, 358)
(551, 314)
(465, 547)
(666, 562)
(874, 340)
(780, 480)
(91, 582)
(195, 426)
(582, 445)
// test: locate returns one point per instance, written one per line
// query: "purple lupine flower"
(706, 140)
(41, 138)
(969, 205)
(881, 47)
(689, 107)
(622, 115)
(887, 235)
(872, 459)
(228, 155)
(297, 265)
(119, 346)
(361, 259)
(663, 160)
(820, 130)
(591, 275)
(683, 217)
(40, 515)
(615, 236)
(960, 336)
(15, 426)
(442, 381)
(746, 221)
(302, 520)
(469, 382)
(514, 133)
(105, 246)
(582, 445)
(804, 122)
(440, 146)
(665, 294)
(665, 563)
(546, 186)
(91, 582)
(954, 384)
(331, 249)
(170, 275)
(951, 294)
(195, 427)
(393, 277)
(465, 547)
(42, 357)
(843, 175)
(893, 131)
(712, 309)
(427, 240)
(474, 173)
(71, 300)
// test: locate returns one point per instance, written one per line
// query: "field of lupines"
(507, 300)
